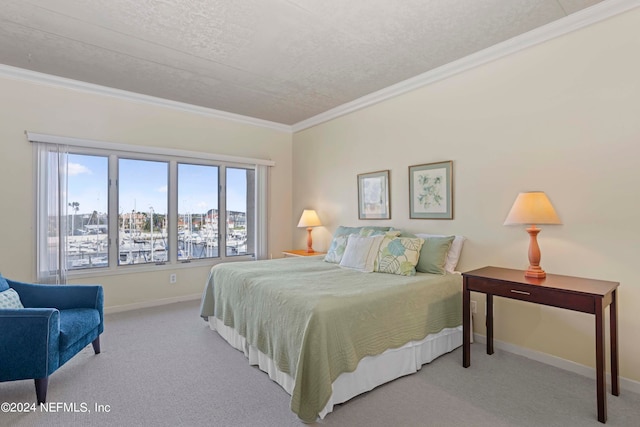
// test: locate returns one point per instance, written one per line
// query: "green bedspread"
(316, 320)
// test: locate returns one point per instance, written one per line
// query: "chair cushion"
(75, 323)
(4, 285)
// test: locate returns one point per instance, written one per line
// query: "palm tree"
(76, 207)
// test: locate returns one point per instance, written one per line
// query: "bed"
(326, 333)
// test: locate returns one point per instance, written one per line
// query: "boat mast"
(151, 228)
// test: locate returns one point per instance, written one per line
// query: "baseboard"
(152, 303)
(558, 362)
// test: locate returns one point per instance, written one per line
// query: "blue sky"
(144, 184)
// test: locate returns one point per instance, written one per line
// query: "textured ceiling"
(278, 60)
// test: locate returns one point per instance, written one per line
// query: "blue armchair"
(57, 321)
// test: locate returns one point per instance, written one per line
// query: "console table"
(572, 293)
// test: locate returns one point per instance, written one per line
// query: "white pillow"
(453, 256)
(361, 252)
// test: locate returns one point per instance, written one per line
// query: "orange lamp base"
(534, 271)
(309, 241)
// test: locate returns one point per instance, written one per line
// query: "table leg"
(601, 384)
(613, 324)
(489, 324)
(466, 325)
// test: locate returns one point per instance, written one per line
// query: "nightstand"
(571, 293)
(301, 252)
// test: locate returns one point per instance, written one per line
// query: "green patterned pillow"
(433, 255)
(398, 255)
(345, 231)
(403, 233)
(10, 299)
(378, 231)
(336, 249)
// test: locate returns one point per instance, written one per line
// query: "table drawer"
(533, 293)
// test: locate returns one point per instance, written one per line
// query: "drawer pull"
(515, 291)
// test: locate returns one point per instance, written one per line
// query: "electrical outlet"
(474, 307)
(173, 278)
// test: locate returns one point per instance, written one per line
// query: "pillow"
(433, 255)
(336, 249)
(3, 284)
(361, 252)
(453, 256)
(368, 231)
(402, 233)
(339, 242)
(398, 255)
(345, 231)
(10, 299)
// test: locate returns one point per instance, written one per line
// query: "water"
(91, 251)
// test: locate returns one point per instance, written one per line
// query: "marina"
(89, 246)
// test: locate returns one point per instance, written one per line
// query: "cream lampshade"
(533, 208)
(309, 219)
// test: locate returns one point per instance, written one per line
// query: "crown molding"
(573, 22)
(94, 89)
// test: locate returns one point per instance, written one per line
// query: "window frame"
(114, 152)
(177, 187)
(172, 214)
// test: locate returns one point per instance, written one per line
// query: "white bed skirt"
(371, 372)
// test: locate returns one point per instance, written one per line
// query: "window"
(240, 211)
(142, 205)
(87, 242)
(108, 208)
(198, 219)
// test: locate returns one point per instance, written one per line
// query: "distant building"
(133, 221)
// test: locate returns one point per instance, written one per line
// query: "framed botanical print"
(430, 193)
(373, 195)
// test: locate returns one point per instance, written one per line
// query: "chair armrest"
(29, 342)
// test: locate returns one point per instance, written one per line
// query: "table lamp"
(533, 208)
(309, 219)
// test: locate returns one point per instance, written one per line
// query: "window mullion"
(222, 212)
(172, 212)
(114, 226)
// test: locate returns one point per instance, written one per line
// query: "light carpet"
(163, 366)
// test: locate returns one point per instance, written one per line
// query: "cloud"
(77, 169)
(162, 189)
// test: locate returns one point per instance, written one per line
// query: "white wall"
(58, 111)
(561, 117)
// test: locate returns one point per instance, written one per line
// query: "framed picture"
(430, 195)
(373, 195)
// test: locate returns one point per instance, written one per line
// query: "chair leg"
(41, 389)
(96, 345)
